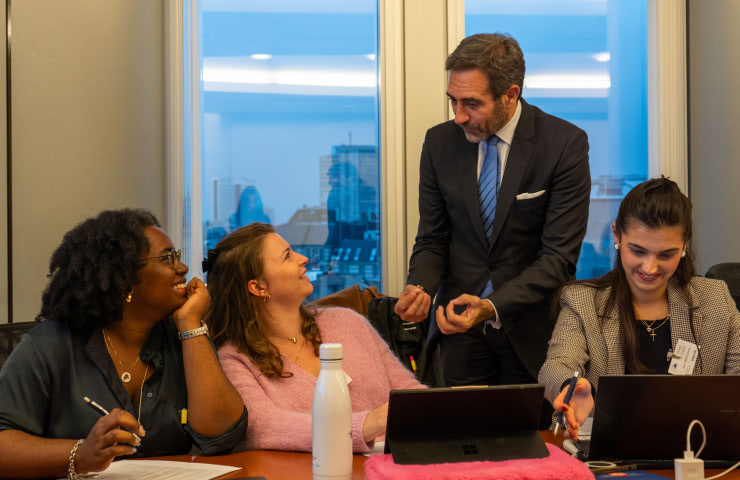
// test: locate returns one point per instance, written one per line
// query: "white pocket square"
(527, 195)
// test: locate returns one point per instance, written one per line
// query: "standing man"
(503, 205)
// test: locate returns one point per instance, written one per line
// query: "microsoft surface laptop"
(440, 425)
(643, 419)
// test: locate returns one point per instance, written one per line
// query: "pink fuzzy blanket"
(558, 466)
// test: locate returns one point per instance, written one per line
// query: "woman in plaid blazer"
(630, 320)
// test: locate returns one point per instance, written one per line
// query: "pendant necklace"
(292, 339)
(141, 392)
(651, 329)
(126, 375)
(299, 351)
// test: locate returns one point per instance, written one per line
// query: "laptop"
(643, 419)
(448, 425)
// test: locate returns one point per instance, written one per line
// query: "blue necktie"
(488, 184)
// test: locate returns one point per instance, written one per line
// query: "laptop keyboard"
(650, 463)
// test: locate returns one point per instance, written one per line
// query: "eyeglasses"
(173, 256)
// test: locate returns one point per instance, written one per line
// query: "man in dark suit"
(503, 205)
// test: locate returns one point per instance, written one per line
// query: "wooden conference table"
(274, 465)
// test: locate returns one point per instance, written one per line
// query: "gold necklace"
(141, 392)
(303, 344)
(292, 339)
(651, 330)
(125, 376)
(299, 351)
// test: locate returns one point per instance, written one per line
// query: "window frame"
(412, 99)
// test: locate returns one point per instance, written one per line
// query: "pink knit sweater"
(280, 408)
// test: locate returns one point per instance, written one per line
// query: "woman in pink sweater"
(268, 343)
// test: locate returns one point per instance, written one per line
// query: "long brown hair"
(234, 315)
(655, 203)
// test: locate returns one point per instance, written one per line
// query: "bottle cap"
(330, 351)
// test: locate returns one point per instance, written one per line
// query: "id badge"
(683, 358)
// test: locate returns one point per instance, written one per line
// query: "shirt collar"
(506, 133)
(151, 351)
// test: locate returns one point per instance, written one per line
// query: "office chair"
(730, 273)
(10, 336)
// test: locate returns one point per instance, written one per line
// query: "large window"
(287, 116)
(586, 63)
(289, 126)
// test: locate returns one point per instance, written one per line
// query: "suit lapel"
(520, 154)
(467, 170)
(678, 309)
(612, 341)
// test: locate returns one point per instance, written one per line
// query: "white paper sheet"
(163, 470)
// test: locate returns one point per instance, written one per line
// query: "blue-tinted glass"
(586, 63)
(290, 130)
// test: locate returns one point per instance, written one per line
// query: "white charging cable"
(688, 438)
(690, 467)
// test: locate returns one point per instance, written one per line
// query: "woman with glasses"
(121, 326)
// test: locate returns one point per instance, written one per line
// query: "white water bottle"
(331, 418)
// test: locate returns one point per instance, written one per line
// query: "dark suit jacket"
(535, 242)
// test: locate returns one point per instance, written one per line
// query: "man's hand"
(476, 310)
(413, 304)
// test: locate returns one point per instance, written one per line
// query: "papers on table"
(584, 433)
(162, 470)
(379, 447)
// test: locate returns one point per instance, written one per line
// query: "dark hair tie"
(209, 262)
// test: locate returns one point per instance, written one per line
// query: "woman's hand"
(578, 409)
(375, 421)
(107, 441)
(188, 316)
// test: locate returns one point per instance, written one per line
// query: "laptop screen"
(440, 425)
(647, 416)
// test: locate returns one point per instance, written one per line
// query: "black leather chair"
(10, 336)
(730, 273)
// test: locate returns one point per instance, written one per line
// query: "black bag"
(406, 340)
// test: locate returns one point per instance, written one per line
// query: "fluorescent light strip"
(569, 82)
(235, 79)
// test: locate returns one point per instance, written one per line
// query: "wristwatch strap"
(202, 330)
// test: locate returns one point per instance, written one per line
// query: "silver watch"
(202, 330)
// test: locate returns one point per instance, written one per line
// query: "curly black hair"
(95, 267)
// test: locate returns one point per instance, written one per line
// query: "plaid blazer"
(582, 342)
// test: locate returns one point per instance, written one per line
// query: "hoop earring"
(266, 298)
(616, 246)
(128, 297)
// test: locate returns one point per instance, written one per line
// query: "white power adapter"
(688, 467)
(691, 467)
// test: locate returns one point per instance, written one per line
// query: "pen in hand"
(568, 396)
(102, 411)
